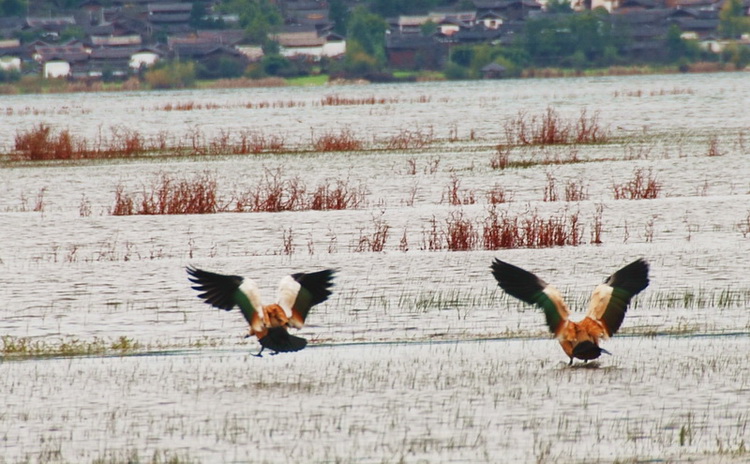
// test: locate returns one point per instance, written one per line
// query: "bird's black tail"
(588, 350)
(281, 341)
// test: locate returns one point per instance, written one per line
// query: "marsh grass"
(642, 186)
(133, 457)
(550, 128)
(457, 196)
(170, 196)
(273, 193)
(26, 347)
(460, 232)
(375, 239)
(343, 140)
(689, 298)
(410, 139)
(713, 146)
(338, 100)
(500, 230)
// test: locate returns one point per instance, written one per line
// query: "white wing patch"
(599, 301)
(557, 298)
(288, 291)
(250, 288)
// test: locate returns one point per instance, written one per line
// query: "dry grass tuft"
(551, 129)
(344, 140)
(170, 196)
(643, 186)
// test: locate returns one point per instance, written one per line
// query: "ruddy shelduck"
(297, 294)
(606, 310)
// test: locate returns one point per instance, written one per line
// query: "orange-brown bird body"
(298, 293)
(606, 310)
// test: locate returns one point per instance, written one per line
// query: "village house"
(11, 54)
(126, 35)
(64, 60)
(299, 41)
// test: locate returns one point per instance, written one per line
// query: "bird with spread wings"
(606, 310)
(297, 294)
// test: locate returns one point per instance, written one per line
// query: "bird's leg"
(258, 354)
(571, 361)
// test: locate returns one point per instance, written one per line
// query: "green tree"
(737, 54)
(171, 75)
(357, 62)
(338, 14)
(277, 65)
(12, 7)
(390, 8)
(367, 30)
(199, 18)
(559, 6)
(72, 32)
(579, 40)
(258, 18)
(732, 20)
(429, 28)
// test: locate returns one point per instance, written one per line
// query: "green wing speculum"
(529, 288)
(226, 291)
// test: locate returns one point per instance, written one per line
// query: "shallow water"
(417, 355)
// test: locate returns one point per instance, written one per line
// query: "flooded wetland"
(409, 191)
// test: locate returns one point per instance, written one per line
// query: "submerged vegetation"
(27, 347)
(413, 219)
(200, 195)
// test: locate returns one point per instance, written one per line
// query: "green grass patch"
(318, 79)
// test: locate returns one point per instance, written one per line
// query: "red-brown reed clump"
(460, 232)
(170, 196)
(530, 230)
(274, 193)
(344, 140)
(338, 100)
(375, 240)
(643, 186)
(498, 194)
(41, 143)
(410, 139)
(457, 196)
(551, 129)
(336, 196)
